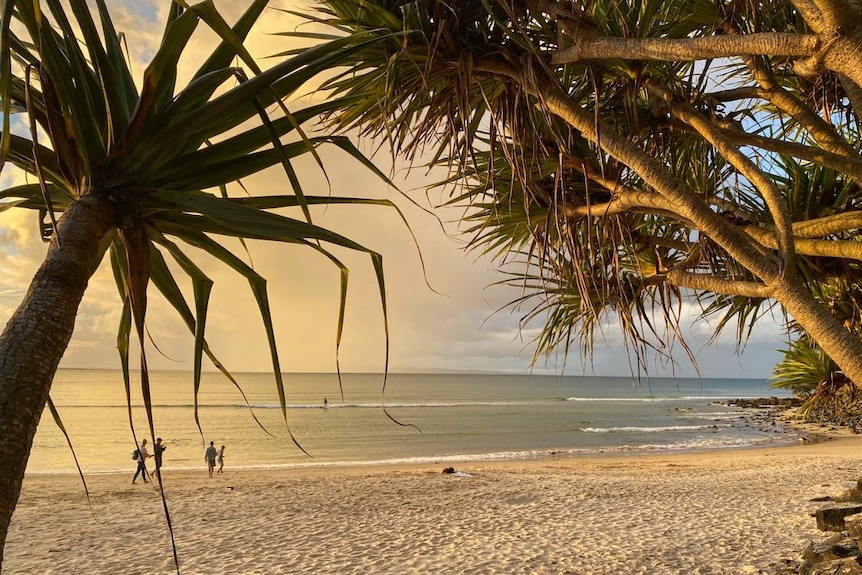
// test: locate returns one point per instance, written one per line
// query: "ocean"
(443, 417)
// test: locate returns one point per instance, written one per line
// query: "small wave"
(698, 444)
(357, 405)
(712, 415)
(655, 398)
(651, 429)
(376, 405)
(703, 443)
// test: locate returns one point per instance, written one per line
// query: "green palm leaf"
(147, 161)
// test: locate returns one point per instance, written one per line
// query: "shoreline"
(715, 512)
(829, 441)
(815, 436)
(769, 417)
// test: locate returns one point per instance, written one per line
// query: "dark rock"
(853, 525)
(821, 498)
(831, 517)
(851, 495)
(785, 567)
(830, 551)
(764, 402)
(846, 566)
(449, 470)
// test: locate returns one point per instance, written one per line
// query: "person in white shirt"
(220, 459)
(143, 454)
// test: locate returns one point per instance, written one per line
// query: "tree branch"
(764, 184)
(707, 282)
(588, 47)
(653, 172)
(823, 132)
(841, 249)
(733, 94)
(810, 13)
(841, 55)
(622, 202)
(835, 14)
(852, 166)
(829, 225)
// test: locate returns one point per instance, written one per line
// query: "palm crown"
(151, 153)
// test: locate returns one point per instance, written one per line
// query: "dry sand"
(720, 512)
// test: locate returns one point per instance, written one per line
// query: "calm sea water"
(480, 417)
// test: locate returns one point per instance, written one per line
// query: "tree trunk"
(36, 338)
(836, 340)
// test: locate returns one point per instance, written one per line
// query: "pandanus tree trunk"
(36, 337)
(844, 347)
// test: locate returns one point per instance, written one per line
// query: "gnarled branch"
(588, 47)
(707, 282)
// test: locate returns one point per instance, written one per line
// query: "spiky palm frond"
(158, 156)
(157, 152)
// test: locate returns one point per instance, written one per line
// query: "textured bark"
(704, 282)
(847, 163)
(841, 345)
(689, 49)
(843, 57)
(810, 13)
(823, 132)
(844, 249)
(622, 202)
(36, 337)
(828, 225)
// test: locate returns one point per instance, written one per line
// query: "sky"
(456, 326)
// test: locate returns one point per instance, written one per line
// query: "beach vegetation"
(804, 368)
(147, 172)
(630, 161)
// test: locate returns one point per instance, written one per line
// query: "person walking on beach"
(325, 403)
(158, 449)
(210, 457)
(220, 459)
(142, 461)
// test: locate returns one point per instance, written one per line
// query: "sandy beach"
(725, 512)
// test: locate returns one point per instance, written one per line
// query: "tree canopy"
(634, 154)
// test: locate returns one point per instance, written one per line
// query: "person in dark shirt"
(158, 449)
(210, 458)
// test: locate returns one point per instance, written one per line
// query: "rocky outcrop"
(848, 566)
(766, 402)
(840, 554)
(831, 517)
(840, 547)
(842, 411)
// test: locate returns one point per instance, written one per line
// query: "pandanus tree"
(138, 173)
(633, 155)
